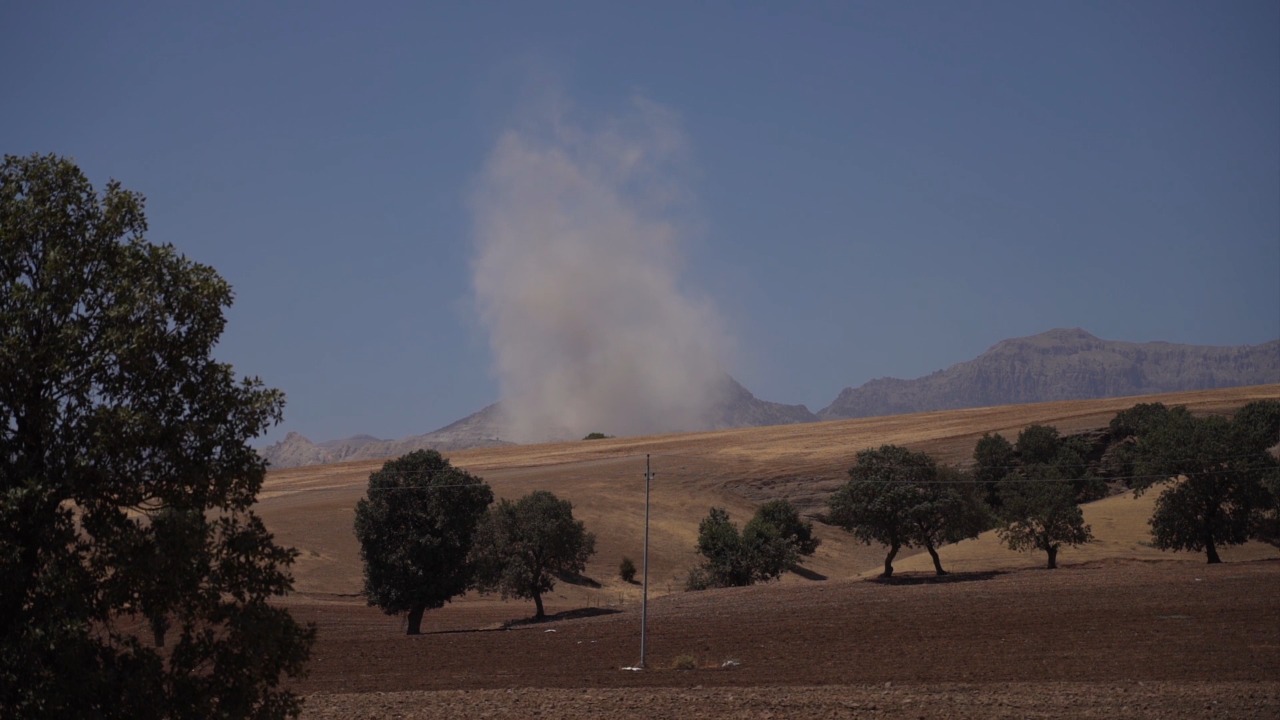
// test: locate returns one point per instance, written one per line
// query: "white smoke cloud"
(577, 279)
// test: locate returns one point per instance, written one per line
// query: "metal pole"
(644, 596)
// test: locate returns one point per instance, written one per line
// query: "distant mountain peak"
(484, 428)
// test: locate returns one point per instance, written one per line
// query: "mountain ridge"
(1059, 364)
(1062, 364)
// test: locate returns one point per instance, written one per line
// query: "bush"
(596, 436)
(627, 570)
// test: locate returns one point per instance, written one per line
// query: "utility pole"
(644, 593)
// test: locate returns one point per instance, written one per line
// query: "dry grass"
(312, 508)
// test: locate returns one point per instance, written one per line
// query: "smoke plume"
(577, 280)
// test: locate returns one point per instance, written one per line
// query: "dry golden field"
(817, 624)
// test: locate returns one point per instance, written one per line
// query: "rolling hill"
(311, 508)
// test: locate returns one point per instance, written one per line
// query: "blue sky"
(868, 189)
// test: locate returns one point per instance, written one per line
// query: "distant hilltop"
(1056, 365)
(737, 408)
(1063, 365)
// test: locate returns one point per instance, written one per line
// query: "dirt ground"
(1121, 631)
(1118, 639)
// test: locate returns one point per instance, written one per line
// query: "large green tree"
(1216, 471)
(523, 546)
(895, 497)
(416, 526)
(126, 480)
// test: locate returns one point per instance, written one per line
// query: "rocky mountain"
(1063, 365)
(738, 408)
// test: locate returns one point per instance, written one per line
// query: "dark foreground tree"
(521, 547)
(1217, 472)
(761, 552)
(416, 527)
(1038, 511)
(126, 480)
(894, 497)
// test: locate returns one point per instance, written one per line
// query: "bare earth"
(1120, 631)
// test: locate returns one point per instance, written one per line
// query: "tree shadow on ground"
(520, 622)
(807, 574)
(580, 580)
(575, 614)
(932, 579)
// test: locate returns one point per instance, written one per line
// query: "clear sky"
(866, 189)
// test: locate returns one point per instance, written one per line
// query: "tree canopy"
(894, 497)
(1038, 511)
(772, 541)
(126, 478)
(1216, 471)
(416, 526)
(521, 547)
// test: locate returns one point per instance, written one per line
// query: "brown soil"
(1107, 639)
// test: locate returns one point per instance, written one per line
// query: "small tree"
(1216, 470)
(783, 516)
(522, 546)
(627, 570)
(732, 559)
(1038, 511)
(415, 527)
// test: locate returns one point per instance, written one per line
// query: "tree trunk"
(1053, 556)
(537, 602)
(888, 561)
(159, 626)
(1212, 551)
(937, 563)
(415, 619)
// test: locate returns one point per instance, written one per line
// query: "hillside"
(311, 508)
(1120, 631)
(1063, 365)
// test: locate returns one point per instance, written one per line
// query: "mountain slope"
(1063, 365)
(485, 428)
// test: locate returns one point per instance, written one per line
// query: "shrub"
(684, 662)
(627, 570)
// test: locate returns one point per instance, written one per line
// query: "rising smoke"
(577, 280)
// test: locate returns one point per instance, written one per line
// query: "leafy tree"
(522, 546)
(1216, 471)
(1038, 511)
(1141, 419)
(1037, 445)
(1258, 424)
(126, 478)
(732, 559)
(947, 511)
(1042, 445)
(894, 498)
(783, 516)
(993, 459)
(415, 528)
